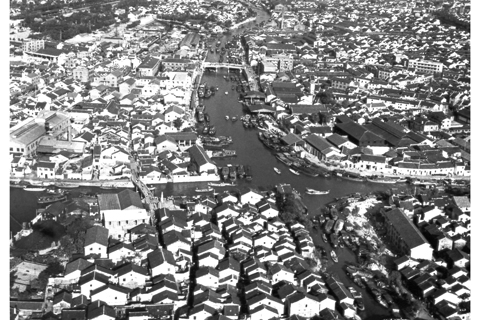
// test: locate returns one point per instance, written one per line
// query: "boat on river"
(329, 225)
(338, 225)
(294, 172)
(206, 117)
(66, 185)
(334, 239)
(241, 171)
(248, 173)
(234, 118)
(204, 190)
(333, 255)
(324, 238)
(316, 192)
(225, 172)
(232, 173)
(358, 298)
(52, 198)
(386, 180)
(212, 131)
(206, 129)
(108, 186)
(226, 92)
(34, 188)
(277, 170)
(227, 117)
(221, 184)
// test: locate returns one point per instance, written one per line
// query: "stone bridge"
(227, 66)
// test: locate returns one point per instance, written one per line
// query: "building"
(425, 66)
(80, 74)
(33, 45)
(405, 235)
(190, 42)
(202, 161)
(96, 242)
(149, 67)
(25, 136)
(122, 211)
(173, 64)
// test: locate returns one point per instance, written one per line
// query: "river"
(250, 151)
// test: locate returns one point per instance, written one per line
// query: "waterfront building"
(122, 211)
(405, 236)
(149, 67)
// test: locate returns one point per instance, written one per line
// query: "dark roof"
(111, 286)
(97, 235)
(75, 265)
(199, 155)
(405, 228)
(120, 201)
(74, 314)
(160, 256)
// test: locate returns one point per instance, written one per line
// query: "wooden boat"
(324, 238)
(226, 92)
(248, 173)
(294, 172)
(212, 131)
(151, 188)
(338, 225)
(316, 192)
(333, 256)
(381, 180)
(227, 117)
(234, 118)
(52, 198)
(241, 171)
(222, 184)
(232, 173)
(108, 186)
(206, 129)
(206, 117)
(225, 172)
(277, 170)
(34, 188)
(334, 240)
(203, 190)
(329, 225)
(66, 185)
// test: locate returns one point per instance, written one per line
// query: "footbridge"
(217, 65)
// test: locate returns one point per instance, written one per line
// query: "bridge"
(227, 66)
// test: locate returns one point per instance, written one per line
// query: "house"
(121, 211)
(279, 272)
(96, 242)
(161, 261)
(92, 281)
(339, 291)
(266, 300)
(74, 268)
(111, 294)
(202, 161)
(132, 276)
(208, 277)
(61, 300)
(262, 312)
(304, 305)
(326, 302)
(251, 197)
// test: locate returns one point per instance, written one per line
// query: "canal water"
(250, 151)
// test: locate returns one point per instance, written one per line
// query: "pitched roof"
(159, 257)
(125, 199)
(97, 235)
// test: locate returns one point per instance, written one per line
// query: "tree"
(178, 123)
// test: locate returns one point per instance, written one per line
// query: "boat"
(248, 173)
(34, 188)
(225, 172)
(52, 198)
(204, 190)
(232, 173)
(222, 184)
(212, 131)
(206, 129)
(234, 118)
(208, 93)
(358, 281)
(224, 154)
(338, 225)
(329, 225)
(376, 179)
(324, 238)
(241, 171)
(294, 172)
(151, 188)
(226, 92)
(333, 256)
(206, 117)
(316, 192)
(277, 170)
(381, 301)
(227, 117)
(334, 240)
(108, 186)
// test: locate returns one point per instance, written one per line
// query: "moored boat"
(108, 186)
(248, 173)
(204, 190)
(222, 184)
(34, 188)
(333, 255)
(52, 198)
(277, 170)
(294, 172)
(232, 173)
(227, 117)
(212, 131)
(226, 92)
(316, 192)
(324, 238)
